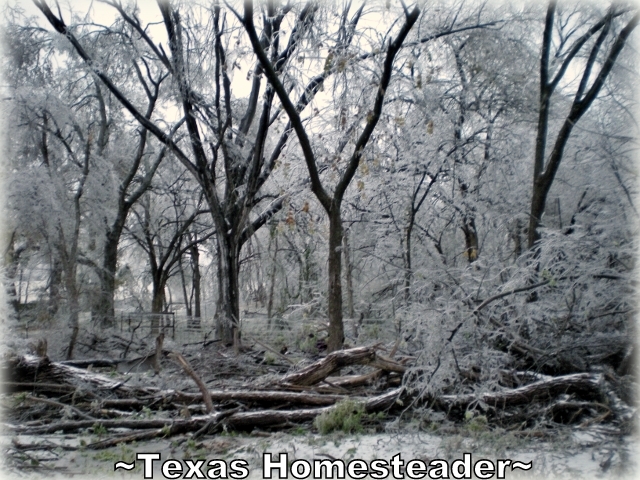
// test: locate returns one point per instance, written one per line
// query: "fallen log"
(68, 379)
(75, 425)
(354, 380)
(48, 401)
(265, 397)
(35, 387)
(236, 421)
(96, 362)
(258, 397)
(30, 369)
(334, 361)
(588, 385)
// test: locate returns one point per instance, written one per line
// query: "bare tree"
(545, 168)
(332, 202)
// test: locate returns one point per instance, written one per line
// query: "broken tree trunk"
(334, 361)
(178, 358)
(29, 370)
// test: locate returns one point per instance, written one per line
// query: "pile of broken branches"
(76, 397)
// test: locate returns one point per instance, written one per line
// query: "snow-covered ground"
(576, 454)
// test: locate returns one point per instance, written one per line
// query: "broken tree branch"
(206, 397)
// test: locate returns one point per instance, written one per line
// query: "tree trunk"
(72, 303)
(517, 241)
(348, 275)
(470, 239)
(185, 294)
(228, 311)
(272, 280)
(157, 302)
(55, 281)
(103, 310)
(408, 268)
(544, 174)
(11, 260)
(158, 297)
(195, 266)
(336, 327)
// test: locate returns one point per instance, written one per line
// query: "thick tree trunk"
(336, 327)
(157, 303)
(228, 311)
(158, 296)
(103, 310)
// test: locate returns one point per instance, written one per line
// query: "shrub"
(346, 416)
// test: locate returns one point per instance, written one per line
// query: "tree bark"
(228, 309)
(104, 311)
(55, 282)
(321, 369)
(195, 267)
(348, 275)
(158, 295)
(73, 306)
(470, 239)
(336, 326)
(272, 279)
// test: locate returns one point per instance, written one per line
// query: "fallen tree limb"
(334, 361)
(206, 397)
(30, 369)
(75, 425)
(236, 421)
(258, 397)
(12, 387)
(354, 380)
(588, 385)
(96, 362)
(48, 401)
(507, 293)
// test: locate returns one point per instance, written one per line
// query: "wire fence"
(295, 330)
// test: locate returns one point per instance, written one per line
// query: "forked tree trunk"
(545, 168)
